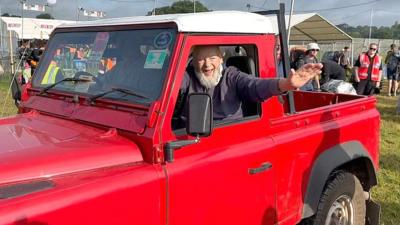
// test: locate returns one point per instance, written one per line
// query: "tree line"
(186, 6)
(40, 16)
(383, 32)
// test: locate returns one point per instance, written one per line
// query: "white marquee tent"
(311, 27)
(32, 28)
(11, 31)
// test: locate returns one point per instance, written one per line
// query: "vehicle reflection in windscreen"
(132, 60)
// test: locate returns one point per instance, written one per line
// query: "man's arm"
(35, 55)
(317, 81)
(378, 83)
(356, 66)
(387, 57)
(260, 89)
(298, 78)
(356, 74)
(301, 62)
(379, 76)
(341, 73)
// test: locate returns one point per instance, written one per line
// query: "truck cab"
(96, 141)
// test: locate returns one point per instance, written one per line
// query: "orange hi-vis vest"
(364, 64)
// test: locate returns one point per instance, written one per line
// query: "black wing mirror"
(200, 119)
(199, 123)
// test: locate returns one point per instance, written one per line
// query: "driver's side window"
(201, 75)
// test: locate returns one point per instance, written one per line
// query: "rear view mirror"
(200, 118)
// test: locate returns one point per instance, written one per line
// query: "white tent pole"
(290, 20)
(22, 17)
(77, 11)
(370, 26)
(352, 52)
(11, 54)
(155, 5)
(1, 34)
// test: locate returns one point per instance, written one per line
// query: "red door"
(227, 178)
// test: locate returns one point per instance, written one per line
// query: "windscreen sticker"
(155, 59)
(79, 65)
(163, 40)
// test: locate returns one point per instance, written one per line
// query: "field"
(9, 107)
(388, 191)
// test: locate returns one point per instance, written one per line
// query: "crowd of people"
(29, 54)
(392, 62)
(334, 68)
(366, 75)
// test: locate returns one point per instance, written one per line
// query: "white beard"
(212, 81)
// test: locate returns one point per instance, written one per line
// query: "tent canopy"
(33, 28)
(311, 27)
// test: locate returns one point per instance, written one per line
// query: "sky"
(352, 12)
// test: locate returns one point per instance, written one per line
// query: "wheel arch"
(349, 156)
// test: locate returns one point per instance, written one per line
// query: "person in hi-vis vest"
(52, 75)
(368, 71)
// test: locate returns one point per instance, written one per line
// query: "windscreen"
(133, 60)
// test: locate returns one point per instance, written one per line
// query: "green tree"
(8, 15)
(185, 6)
(45, 16)
(392, 32)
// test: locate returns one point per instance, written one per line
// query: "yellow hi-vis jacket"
(51, 73)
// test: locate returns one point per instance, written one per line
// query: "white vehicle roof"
(214, 22)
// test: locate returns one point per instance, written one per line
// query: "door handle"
(264, 167)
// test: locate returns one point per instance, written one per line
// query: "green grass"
(8, 108)
(387, 193)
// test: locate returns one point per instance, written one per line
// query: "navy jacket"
(228, 96)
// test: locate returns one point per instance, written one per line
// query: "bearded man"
(229, 87)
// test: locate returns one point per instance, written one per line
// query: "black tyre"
(342, 202)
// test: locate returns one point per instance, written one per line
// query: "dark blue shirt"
(233, 88)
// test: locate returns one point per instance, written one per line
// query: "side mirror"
(199, 123)
(200, 118)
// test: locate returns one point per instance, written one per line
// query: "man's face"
(207, 60)
(372, 49)
(314, 52)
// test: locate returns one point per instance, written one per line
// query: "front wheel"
(342, 202)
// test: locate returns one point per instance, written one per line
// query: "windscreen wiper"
(44, 90)
(122, 90)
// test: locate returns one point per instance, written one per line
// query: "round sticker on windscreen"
(163, 39)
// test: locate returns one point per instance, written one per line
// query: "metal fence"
(358, 46)
(8, 50)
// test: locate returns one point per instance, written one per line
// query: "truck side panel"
(301, 138)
